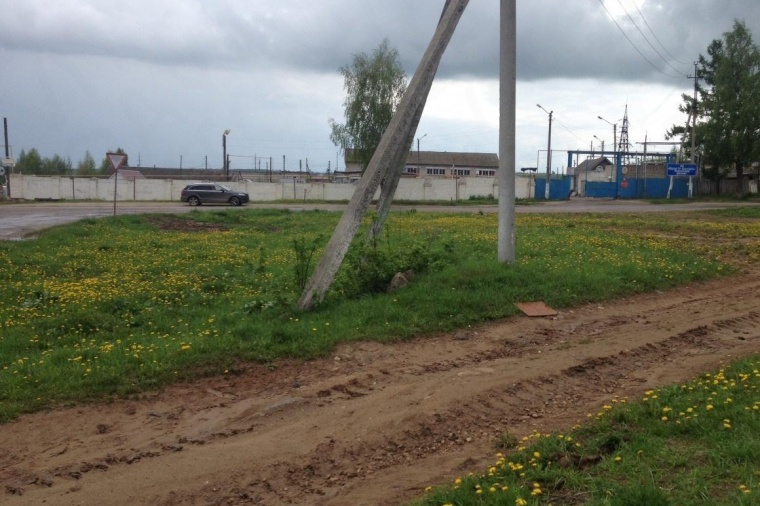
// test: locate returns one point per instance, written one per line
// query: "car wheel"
(235, 201)
(194, 201)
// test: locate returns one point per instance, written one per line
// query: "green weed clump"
(369, 268)
(689, 444)
(118, 305)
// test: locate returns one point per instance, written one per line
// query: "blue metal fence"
(559, 189)
(628, 188)
(634, 188)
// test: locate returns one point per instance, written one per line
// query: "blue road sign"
(682, 169)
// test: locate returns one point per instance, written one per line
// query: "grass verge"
(118, 305)
(689, 444)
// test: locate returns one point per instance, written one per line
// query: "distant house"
(602, 170)
(432, 164)
(590, 170)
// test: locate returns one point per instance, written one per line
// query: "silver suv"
(209, 193)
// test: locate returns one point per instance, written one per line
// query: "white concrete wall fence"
(419, 189)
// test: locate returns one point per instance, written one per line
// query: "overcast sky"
(163, 79)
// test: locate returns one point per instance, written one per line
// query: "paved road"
(20, 220)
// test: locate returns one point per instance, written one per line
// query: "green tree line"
(32, 163)
(728, 108)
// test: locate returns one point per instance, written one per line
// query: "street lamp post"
(548, 155)
(418, 153)
(600, 140)
(615, 152)
(588, 161)
(225, 163)
(614, 133)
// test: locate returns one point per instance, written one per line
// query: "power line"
(568, 129)
(634, 45)
(655, 35)
(462, 135)
(647, 40)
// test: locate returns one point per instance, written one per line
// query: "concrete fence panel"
(91, 188)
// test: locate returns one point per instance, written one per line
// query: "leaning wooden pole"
(390, 182)
(393, 140)
(392, 178)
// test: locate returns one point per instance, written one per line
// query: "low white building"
(432, 164)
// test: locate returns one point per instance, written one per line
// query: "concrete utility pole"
(646, 138)
(507, 129)
(547, 192)
(389, 182)
(616, 153)
(418, 152)
(694, 133)
(225, 160)
(7, 155)
(585, 184)
(395, 143)
(693, 116)
(5, 133)
(600, 140)
(614, 134)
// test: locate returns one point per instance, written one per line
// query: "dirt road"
(20, 220)
(373, 424)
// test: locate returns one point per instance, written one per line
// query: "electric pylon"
(624, 145)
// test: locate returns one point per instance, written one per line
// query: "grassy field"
(114, 306)
(690, 444)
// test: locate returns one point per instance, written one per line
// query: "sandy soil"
(374, 424)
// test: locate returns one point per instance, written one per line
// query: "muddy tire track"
(374, 424)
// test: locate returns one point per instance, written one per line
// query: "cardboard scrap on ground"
(536, 309)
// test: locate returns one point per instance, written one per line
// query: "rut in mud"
(374, 424)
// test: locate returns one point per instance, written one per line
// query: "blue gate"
(638, 188)
(559, 189)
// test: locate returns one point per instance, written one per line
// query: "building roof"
(129, 174)
(443, 159)
(588, 165)
(485, 160)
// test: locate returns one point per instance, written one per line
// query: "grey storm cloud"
(556, 38)
(164, 78)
